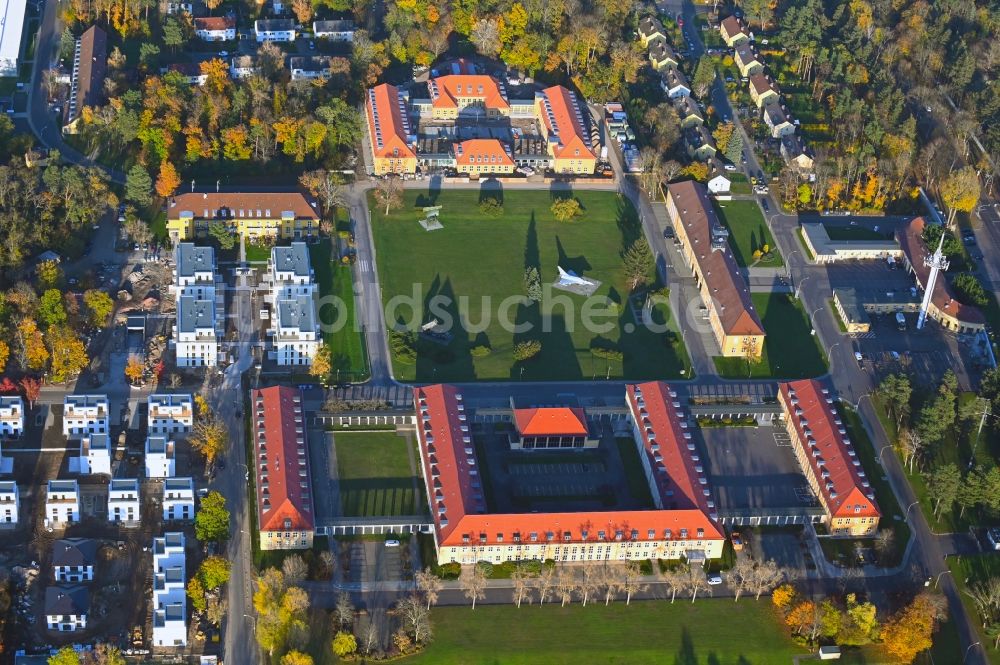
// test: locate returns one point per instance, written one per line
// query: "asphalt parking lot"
(752, 467)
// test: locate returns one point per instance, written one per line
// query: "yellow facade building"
(286, 215)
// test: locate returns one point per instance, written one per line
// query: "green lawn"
(472, 272)
(837, 232)
(347, 346)
(375, 476)
(635, 476)
(790, 351)
(258, 253)
(708, 631)
(975, 568)
(748, 232)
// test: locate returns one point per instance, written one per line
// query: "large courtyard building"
(294, 335)
(724, 293)
(284, 494)
(196, 330)
(828, 459)
(390, 135)
(682, 523)
(255, 215)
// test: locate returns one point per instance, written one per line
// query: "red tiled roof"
(455, 485)
(761, 83)
(446, 90)
(551, 421)
(828, 449)
(718, 268)
(487, 151)
(912, 244)
(237, 205)
(732, 26)
(284, 494)
(565, 123)
(389, 132)
(214, 23)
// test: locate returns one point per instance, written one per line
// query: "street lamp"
(882, 450)
(974, 644)
(857, 404)
(938, 578)
(906, 515)
(798, 289)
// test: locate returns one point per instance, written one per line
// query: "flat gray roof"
(194, 314)
(298, 313)
(192, 259)
(294, 258)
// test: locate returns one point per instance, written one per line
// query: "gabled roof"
(674, 78)
(239, 205)
(90, 70)
(66, 600)
(746, 54)
(74, 552)
(388, 123)
(649, 26)
(486, 151)
(217, 23)
(551, 421)
(284, 494)
(687, 107)
(761, 83)
(273, 25)
(564, 118)
(446, 90)
(732, 26)
(833, 463)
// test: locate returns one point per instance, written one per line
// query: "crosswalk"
(871, 334)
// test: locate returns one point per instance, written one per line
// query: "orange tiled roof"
(563, 116)
(446, 90)
(388, 124)
(284, 495)
(833, 463)
(551, 421)
(482, 151)
(214, 23)
(732, 26)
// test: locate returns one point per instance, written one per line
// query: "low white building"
(124, 502)
(85, 414)
(170, 414)
(242, 67)
(11, 416)
(178, 499)
(335, 31)
(66, 608)
(215, 28)
(62, 503)
(309, 67)
(160, 462)
(169, 597)
(274, 30)
(73, 560)
(10, 504)
(95, 454)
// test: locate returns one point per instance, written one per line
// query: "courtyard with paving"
(469, 268)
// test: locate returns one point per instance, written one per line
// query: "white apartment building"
(274, 30)
(160, 462)
(66, 608)
(95, 454)
(85, 414)
(170, 414)
(62, 503)
(290, 266)
(215, 28)
(294, 329)
(169, 597)
(124, 502)
(335, 31)
(178, 499)
(194, 270)
(10, 503)
(11, 416)
(195, 332)
(73, 560)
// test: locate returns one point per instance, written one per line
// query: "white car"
(858, 356)
(714, 579)
(392, 543)
(993, 535)
(729, 167)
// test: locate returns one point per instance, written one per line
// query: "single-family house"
(777, 121)
(189, 71)
(747, 61)
(170, 413)
(309, 67)
(688, 112)
(335, 31)
(795, 153)
(274, 30)
(11, 415)
(178, 499)
(700, 144)
(733, 31)
(73, 560)
(718, 182)
(650, 29)
(95, 454)
(124, 502)
(763, 90)
(242, 66)
(62, 503)
(674, 83)
(85, 414)
(66, 608)
(215, 28)
(661, 55)
(160, 461)
(10, 504)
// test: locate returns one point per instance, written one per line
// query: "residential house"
(747, 61)
(124, 501)
(661, 55)
(215, 28)
(170, 414)
(763, 90)
(178, 499)
(796, 153)
(196, 337)
(160, 462)
(11, 416)
(718, 182)
(777, 121)
(189, 71)
(95, 454)
(480, 157)
(85, 414)
(651, 29)
(700, 144)
(255, 215)
(10, 504)
(66, 608)
(309, 67)
(335, 31)
(564, 122)
(62, 503)
(391, 138)
(242, 66)
(274, 30)
(674, 83)
(290, 269)
(90, 60)
(73, 560)
(688, 112)
(733, 32)
(169, 595)
(194, 270)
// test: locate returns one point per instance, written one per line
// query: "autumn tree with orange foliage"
(803, 619)
(168, 181)
(911, 630)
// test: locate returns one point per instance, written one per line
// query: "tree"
(545, 583)
(327, 185)
(532, 284)
(486, 36)
(322, 364)
(303, 10)
(969, 290)
(51, 310)
(68, 353)
(295, 570)
(960, 191)
(632, 580)
(299, 658)
(99, 304)
(196, 592)
(216, 610)
(803, 619)
(943, 486)
(225, 237)
(566, 584)
(704, 75)
(281, 613)
(138, 185)
(4, 355)
(49, 274)
(429, 584)
(741, 576)
(895, 390)
(210, 437)
(565, 209)
(211, 522)
(389, 193)
(214, 572)
(610, 578)
(343, 611)
(344, 644)
(415, 618)
(33, 355)
(697, 171)
(32, 389)
(136, 229)
(173, 33)
(105, 654)
(134, 370)
(527, 350)
(884, 541)
(697, 581)
(766, 576)
(168, 181)
(676, 581)
(783, 596)
(910, 630)
(637, 264)
(473, 583)
(65, 656)
(521, 580)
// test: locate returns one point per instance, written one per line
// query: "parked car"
(993, 536)
(392, 543)
(714, 579)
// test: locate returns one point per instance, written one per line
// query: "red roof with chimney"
(833, 463)
(284, 495)
(551, 421)
(482, 151)
(446, 90)
(388, 127)
(566, 123)
(219, 23)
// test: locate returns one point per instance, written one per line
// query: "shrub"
(564, 210)
(527, 350)
(491, 207)
(480, 351)
(403, 345)
(607, 353)
(449, 571)
(485, 567)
